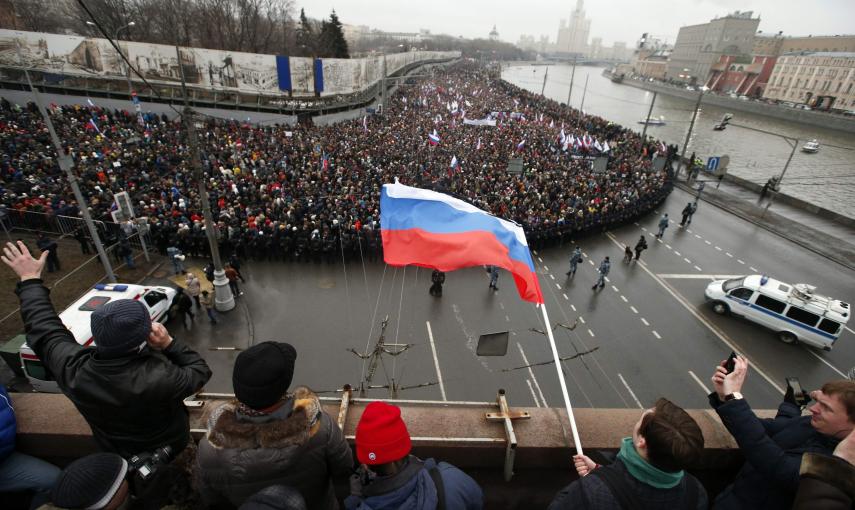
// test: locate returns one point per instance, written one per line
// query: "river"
(826, 178)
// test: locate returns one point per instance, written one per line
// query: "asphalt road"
(648, 334)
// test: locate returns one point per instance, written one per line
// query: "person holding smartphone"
(773, 448)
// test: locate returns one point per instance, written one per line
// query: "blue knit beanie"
(120, 326)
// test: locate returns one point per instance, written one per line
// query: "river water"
(826, 178)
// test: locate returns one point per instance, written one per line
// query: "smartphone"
(730, 364)
(798, 392)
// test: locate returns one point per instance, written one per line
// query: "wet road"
(826, 178)
(647, 334)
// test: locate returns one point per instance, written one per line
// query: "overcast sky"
(613, 20)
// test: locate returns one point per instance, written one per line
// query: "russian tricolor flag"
(429, 229)
(433, 138)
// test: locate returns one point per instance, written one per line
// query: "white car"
(77, 319)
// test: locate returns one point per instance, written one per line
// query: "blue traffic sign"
(712, 163)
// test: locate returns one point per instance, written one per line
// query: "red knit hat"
(381, 435)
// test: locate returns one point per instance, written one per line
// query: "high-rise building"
(698, 47)
(573, 35)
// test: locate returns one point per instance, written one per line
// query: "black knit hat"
(90, 482)
(120, 326)
(263, 373)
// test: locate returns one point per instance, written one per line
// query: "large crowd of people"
(301, 192)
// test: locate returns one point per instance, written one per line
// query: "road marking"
(741, 262)
(565, 297)
(545, 267)
(696, 235)
(728, 254)
(624, 298)
(699, 276)
(539, 259)
(630, 391)
(606, 278)
(700, 383)
(721, 335)
(591, 262)
(677, 253)
(709, 243)
(668, 246)
(660, 240)
(573, 307)
(644, 229)
(717, 248)
(501, 305)
(581, 319)
(689, 230)
(533, 378)
(699, 269)
(645, 321)
(558, 286)
(633, 309)
(635, 223)
(436, 362)
(849, 330)
(590, 332)
(615, 288)
(552, 276)
(656, 335)
(507, 318)
(533, 396)
(687, 260)
(753, 269)
(820, 358)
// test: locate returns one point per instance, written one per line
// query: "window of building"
(771, 304)
(803, 316)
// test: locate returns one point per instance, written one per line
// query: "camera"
(730, 364)
(794, 389)
(146, 464)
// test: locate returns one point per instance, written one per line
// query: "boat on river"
(812, 147)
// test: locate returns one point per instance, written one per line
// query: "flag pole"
(567, 405)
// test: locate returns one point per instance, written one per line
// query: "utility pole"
(688, 135)
(572, 75)
(223, 298)
(647, 122)
(67, 166)
(584, 92)
(543, 89)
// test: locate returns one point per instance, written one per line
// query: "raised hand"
(18, 257)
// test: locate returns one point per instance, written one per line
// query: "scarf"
(645, 472)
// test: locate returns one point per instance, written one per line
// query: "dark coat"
(827, 483)
(773, 450)
(8, 425)
(239, 456)
(591, 492)
(412, 488)
(134, 403)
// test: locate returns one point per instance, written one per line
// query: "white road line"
(633, 309)
(539, 259)
(552, 276)
(741, 262)
(717, 248)
(545, 267)
(590, 262)
(820, 358)
(573, 307)
(753, 269)
(645, 321)
(709, 243)
(630, 391)
(728, 254)
(533, 378)
(699, 276)
(644, 229)
(624, 298)
(668, 246)
(607, 279)
(699, 237)
(691, 309)
(687, 260)
(660, 240)
(689, 230)
(507, 318)
(849, 330)
(656, 335)
(700, 383)
(565, 297)
(615, 288)
(590, 332)
(501, 305)
(699, 269)
(581, 319)
(635, 223)
(558, 286)
(533, 396)
(677, 253)
(436, 362)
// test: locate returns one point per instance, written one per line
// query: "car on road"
(794, 312)
(158, 301)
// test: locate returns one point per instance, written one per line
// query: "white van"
(794, 312)
(76, 318)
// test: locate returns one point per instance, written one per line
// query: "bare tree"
(32, 15)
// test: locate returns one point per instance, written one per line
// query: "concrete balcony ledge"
(50, 427)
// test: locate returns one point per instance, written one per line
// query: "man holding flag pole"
(426, 228)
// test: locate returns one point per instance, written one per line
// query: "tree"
(333, 38)
(305, 38)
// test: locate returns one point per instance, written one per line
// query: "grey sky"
(621, 20)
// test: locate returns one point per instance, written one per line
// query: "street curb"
(768, 227)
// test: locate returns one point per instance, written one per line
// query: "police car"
(795, 312)
(157, 300)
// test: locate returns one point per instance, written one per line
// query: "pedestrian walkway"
(810, 230)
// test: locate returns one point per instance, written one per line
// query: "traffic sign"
(712, 164)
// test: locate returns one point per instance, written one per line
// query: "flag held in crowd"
(433, 138)
(521, 145)
(429, 229)
(454, 163)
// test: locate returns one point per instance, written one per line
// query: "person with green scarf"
(649, 472)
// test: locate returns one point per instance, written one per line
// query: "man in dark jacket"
(773, 448)
(649, 468)
(828, 483)
(269, 436)
(131, 386)
(390, 478)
